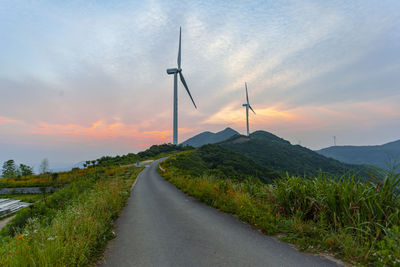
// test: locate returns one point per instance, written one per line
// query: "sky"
(80, 79)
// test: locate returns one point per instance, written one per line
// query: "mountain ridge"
(208, 137)
(381, 156)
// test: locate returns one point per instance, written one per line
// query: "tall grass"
(76, 233)
(356, 221)
(46, 179)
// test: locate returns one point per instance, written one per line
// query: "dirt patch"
(4, 221)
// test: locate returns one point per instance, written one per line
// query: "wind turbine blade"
(252, 109)
(186, 87)
(179, 51)
(247, 95)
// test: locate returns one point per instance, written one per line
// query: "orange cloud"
(4, 120)
(232, 114)
(101, 130)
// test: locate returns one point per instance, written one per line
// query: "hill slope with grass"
(381, 156)
(210, 138)
(218, 161)
(278, 154)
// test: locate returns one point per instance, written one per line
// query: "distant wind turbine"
(247, 105)
(175, 71)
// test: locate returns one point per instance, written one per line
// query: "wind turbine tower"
(175, 72)
(247, 105)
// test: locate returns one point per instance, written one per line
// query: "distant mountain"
(210, 138)
(278, 154)
(381, 156)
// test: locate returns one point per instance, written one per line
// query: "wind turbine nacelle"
(244, 105)
(172, 71)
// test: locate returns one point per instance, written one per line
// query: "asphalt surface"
(161, 226)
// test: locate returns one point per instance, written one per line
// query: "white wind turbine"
(177, 71)
(247, 105)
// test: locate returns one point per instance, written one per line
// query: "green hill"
(278, 154)
(381, 156)
(220, 162)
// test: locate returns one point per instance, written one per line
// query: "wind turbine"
(175, 72)
(247, 105)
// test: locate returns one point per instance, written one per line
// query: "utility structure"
(175, 72)
(247, 105)
(334, 140)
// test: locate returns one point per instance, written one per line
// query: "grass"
(30, 198)
(72, 226)
(43, 180)
(356, 221)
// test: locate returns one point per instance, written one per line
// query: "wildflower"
(277, 215)
(241, 207)
(4, 262)
(255, 224)
(19, 237)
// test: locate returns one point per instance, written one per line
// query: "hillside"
(210, 138)
(278, 154)
(382, 156)
(220, 162)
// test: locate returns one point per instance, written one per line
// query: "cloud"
(4, 120)
(93, 73)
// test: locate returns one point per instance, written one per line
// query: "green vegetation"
(215, 160)
(43, 180)
(113, 161)
(30, 198)
(158, 151)
(356, 221)
(72, 226)
(10, 170)
(279, 155)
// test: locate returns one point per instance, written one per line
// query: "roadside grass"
(42, 180)
(29, 198)
(355, 221)
(72, 226)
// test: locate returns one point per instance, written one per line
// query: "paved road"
(161, 226)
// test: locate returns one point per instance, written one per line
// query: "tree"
(25, 170)
(9, 169)
(54, 176)
(44, 166)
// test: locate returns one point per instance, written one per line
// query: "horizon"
(83, 80)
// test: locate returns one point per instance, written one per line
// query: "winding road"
(161, 226)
